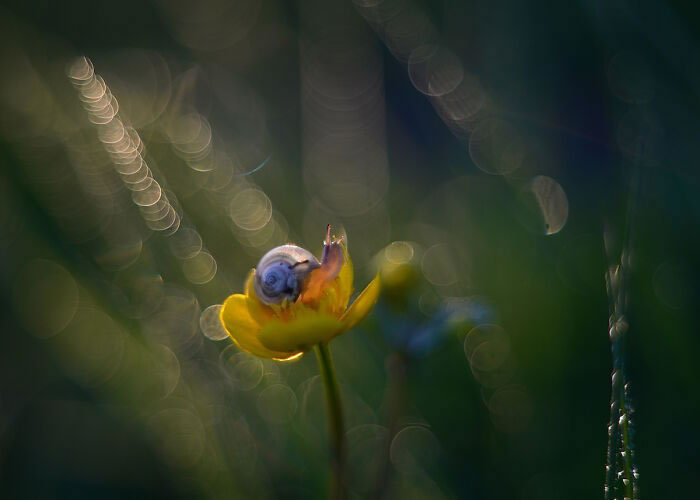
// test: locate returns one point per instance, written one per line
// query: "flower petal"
(363, 304)
(243, 329)
(299, 335)
(259, 311)
(344, 279)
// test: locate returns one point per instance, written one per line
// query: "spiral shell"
(281, 272)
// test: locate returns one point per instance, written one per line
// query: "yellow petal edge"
(299, 335)
(363, 304)
(243, 329)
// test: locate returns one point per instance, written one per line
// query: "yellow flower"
(314, 309)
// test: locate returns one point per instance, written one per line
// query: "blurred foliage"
(482, 155)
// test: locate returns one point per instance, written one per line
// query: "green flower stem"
(335, 418)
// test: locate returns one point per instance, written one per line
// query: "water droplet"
(210, 323)
(490, 355)
(434, 70)
(399, 252)
(552, 202)
(185, 243)
(199, 269)
(438, 265)
(480, 334)
(244, 370)
(250, 209)
(618, 328)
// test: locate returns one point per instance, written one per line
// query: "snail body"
(294, 301)
(281, 273)
(288, 272)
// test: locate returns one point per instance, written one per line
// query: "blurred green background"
(493, 155)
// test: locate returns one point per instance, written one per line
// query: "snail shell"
(281, 272)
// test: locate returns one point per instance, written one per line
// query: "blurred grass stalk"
(620, 456)
(621, 473)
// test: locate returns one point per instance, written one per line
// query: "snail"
(288, 271)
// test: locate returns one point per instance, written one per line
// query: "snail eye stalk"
(299, 263)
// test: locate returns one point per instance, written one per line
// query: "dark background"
(601, 97)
